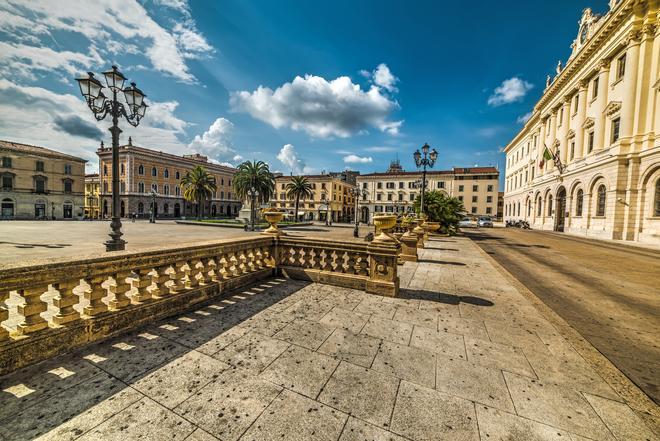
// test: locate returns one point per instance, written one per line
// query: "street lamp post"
(357, 193)
(424, 160)
(102, 106)
(152, 212)
(253, 193)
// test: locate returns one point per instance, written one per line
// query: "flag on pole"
(547, 155)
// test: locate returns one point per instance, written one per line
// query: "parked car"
(466, 222)
(485, 221)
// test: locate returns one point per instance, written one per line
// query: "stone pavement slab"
(459, 355)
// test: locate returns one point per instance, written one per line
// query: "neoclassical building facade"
(600, 117)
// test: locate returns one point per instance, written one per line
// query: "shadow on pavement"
(441, 262)
(36, 245)
(440, 297)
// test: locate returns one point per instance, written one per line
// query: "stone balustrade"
(65, 305)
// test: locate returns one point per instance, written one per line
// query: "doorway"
(560, 216)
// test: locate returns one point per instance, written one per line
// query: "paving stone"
(522, 337)
(417, 317)
(252, 351)
(443, 343)
(305, 333)
(426, 414)
(407, 363)
(310, 309)
(498, 356)
(358, 349)
(620, 419)
(361, 392)
(341, 318)
(467, 327)
(226, 407)
(374, 305)
(174, 382)
(72, 412)
(301, 370)
(200, 435)
(473, 382)
(146, 420)
(222, 340)
(293, 417)
(267, 322)
(495, 425)
(389, 330)
(357, 430)
(554, 405)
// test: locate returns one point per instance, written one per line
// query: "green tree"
(439, 207)
(198, 186)
(298, 188)
(254, 176)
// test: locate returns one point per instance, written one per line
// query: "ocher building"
(600, 116)
(331, 197)
(395, 190)
(39, 183)
(92, 196)
(143, 171)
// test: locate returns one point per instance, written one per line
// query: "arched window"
(105, 187)
(154, 187)
(105, 169)
(177, 190)
(123, 170)
(550, 205)
(518, 209)
(177, 175)
(140, 208)
(538, 206)
(529, 208)
(166, 209)
(166, 173)
(141, 169)
(656, 200)
(141, 187)
(166, 189)
(600, 201)
(154, 172)
(579, 200)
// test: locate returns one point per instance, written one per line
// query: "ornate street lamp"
(424, 160)
(357, 193)
(152, 211)
(253, 193)
(102, 106)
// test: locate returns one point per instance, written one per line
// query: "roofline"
(49, 152)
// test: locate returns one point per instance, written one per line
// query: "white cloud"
(511, 90)
(380, 149)
(384, 78)
(178, 5)
(355, 159)
(290, 159)
(105, 24)
(319, 107)
(522, 119)
(216, 142)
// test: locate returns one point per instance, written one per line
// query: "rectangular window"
(379, 185)
(6, 162)
(400, 184)
(489, 199)
(67, 186)
(41, 186)
(412, 196)
(364, 185)
(594, 92)
(389, 197)
(475, 188)
(489, 210)
(460, 188)
(474, 199)
(621, 67)
(40, 166)
(616, 122)
(441, 184)
(7, 183)
(490, 188)
(67, 169)
(572, 150)
(590, 142)
(474, 210)
(379, 197)
(401, 196)
(460, 198)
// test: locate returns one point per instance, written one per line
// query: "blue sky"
(304, 86)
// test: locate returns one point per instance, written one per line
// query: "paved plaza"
(460, 355)
(27, 242)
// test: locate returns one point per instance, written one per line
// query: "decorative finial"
(547, 81)
(101, 144)
(130, 141)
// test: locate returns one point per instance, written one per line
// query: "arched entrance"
(122, 209)
(365, 215)
(177, 210)
(7, 209)
(560, 212)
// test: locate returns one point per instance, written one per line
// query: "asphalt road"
(609, 293)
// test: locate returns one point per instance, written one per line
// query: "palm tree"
(299, 188)
(198, 185)
(441, 208)
(254, 177)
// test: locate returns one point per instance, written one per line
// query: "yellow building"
(600, 118)
(331, 198)
(40, 183)
(143, 171)
(92, 196)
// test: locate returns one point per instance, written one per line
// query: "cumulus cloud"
(355, 159)
(522, 119)
(383, 77)
(320, 107)
(511, 90)
(288, 156)
(380, 149)
(76, 126)
(106, 26)
(216, 142)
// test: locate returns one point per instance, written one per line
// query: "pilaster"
(580, 148)
(629, 104)
(601, 103)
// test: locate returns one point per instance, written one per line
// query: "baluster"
(306, 259)
(242, 266)
(269, 260)
(95, 295)
(258, 259)
(334, 261)
(119, 289)
(4, 314)
(233, 265)
(208, 270)
(160, 279)
(192, 272)
(314, 258)
(251, 261)
(363, 266)
(179, 277)
(326, 261)
(31, 310)
(350, 263)
(64, 301)
(223, 268)
(142, 285)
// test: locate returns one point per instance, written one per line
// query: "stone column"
(540, 147)
(565, 125)
(600, 104)
(580, 148)
(629, 102)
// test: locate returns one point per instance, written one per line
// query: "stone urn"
(384, 223)
(432, 227)
(273, 217)
(409, 224)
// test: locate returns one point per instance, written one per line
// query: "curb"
(632, 395)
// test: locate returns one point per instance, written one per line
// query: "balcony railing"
(52, 308)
